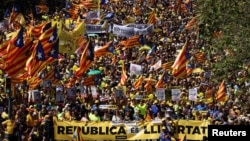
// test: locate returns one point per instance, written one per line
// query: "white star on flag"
(51, 38)
(52, 51)
(39, 55)
(18, 41)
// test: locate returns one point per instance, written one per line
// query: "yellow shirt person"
(9, 125)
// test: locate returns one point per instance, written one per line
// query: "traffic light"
(8, 85)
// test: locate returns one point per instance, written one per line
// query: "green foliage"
(232, 18)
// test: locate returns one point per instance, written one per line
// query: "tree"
(229, 52)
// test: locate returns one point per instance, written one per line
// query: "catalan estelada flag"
(180, 69)
(92, 80)
(193, 22)
(34, 82)
(136, 40)
(16, 47)
(167, 66)
(105, 49)
(124, 76)
(86, 60)
(161, 82)
(221, 95)
(138, 83)
(152, 18)
(91, 4)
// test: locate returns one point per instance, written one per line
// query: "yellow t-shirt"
(32, 121)
(67, 116)
(10, 125)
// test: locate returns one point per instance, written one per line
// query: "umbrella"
(94, 72)
(145, 47)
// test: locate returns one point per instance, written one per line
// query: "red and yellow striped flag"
(17, 66)
(160, 83)
(131, 42)
(45, 37)
(89, 81)
(193, 22)
(137, 84)
(148, 86)
(37, 30)
(51, 76)
(34, 82)
(102, 51)
(123, 75)
(221, 93)
(71, 82)
(15, 52)
(91, 4)
(167, 66)
(152, 18)
(86, 60)
(200, 57)
(180, 69)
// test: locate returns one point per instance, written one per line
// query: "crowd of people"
(34, 120)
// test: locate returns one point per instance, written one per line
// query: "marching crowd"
(34, 121)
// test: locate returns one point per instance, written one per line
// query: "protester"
(34, 120)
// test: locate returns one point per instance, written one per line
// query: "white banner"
(123, 31)
(160, 93)
(92, 28)
(93, 15)
(135, 69)
(192, 94)
(176, 94)
(156, 66)
(139, 26)
(132, 29)
(144, 31)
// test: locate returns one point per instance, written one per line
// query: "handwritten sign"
(71, 93)
(59, 97)
(192, 94)
(119, 93)
(160, 93)
(176, 94)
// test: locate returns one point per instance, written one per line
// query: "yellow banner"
(64, 130)
(195, 130)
